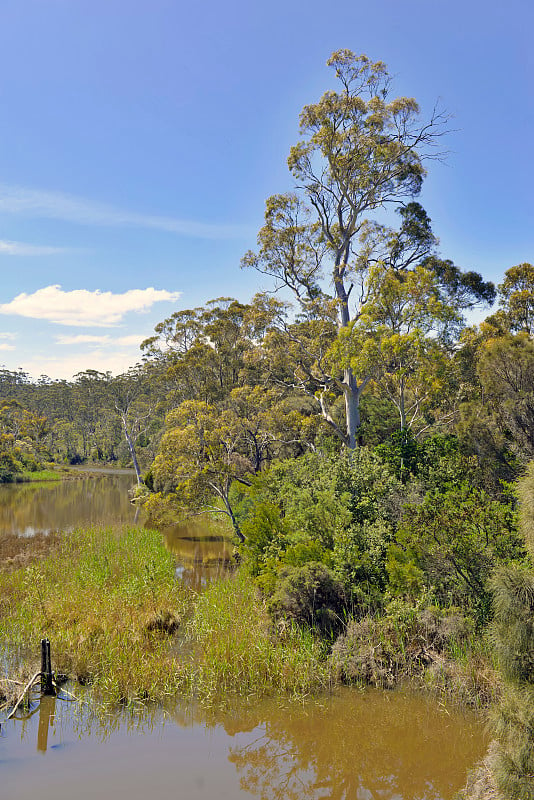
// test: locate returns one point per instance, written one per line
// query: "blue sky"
(139, 140)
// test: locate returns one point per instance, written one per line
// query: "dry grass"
(120, 623)
(481, 783)
(433, 650)
(19, 551)
(96, 599)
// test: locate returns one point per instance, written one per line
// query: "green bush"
(513, 626)
(339, 510)
(309, 595)
(450, 544)
(437, 461)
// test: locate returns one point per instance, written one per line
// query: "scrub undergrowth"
(122, 625)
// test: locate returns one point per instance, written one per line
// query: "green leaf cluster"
(338, 510)
(450, 545)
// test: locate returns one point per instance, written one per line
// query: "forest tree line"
(364, 441)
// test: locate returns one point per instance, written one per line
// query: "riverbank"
(61, 472)
(121, 624)
(36, 476)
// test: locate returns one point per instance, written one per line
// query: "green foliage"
(517, 298)
(21, 441)
(442, 463)
(336, 509)
(451, 543)
(513, 718)
(266, 535)
(360, 150)
(525, 493)
(506, 371)
(379, 419)
(112, 608)
(402, 452)
(309, 595)
(436, 463)
(512, 635)
(513, 762)
(39, 475)
(513, 626)
(406, 577)
(398, 339)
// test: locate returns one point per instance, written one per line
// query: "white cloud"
(69, 208)
(4, 345)
(82, 308)
(82, 338)
(133, 340)
(21, 249)
(57, 367)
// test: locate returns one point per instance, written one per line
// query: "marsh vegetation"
(365, 447)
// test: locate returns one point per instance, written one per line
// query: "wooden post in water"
(47, 684)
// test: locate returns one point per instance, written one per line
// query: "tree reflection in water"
(34, 516)
(360, 745)
(353, 746)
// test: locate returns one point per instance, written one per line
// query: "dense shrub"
(339, 510)
(437, 461)
(450, 544)
(309, 595)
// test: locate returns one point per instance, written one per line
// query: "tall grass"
(38, 475)
(100, 599)
(120, 623)
(235, 649)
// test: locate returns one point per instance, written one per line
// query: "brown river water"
(350, 746)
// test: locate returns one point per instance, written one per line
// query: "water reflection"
(354, 746)
(29, 509)
(47, 713)
(203, 551)
(33, 514)
(363, 746)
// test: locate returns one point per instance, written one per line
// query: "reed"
(121, 624)
(99, 600)
(38, 475)
(236, 650)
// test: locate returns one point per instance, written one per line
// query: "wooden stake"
(47, 678)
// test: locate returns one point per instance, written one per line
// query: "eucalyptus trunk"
(131, 447)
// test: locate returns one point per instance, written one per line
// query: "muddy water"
(32, 513)
(352, 746)
(28, 509)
